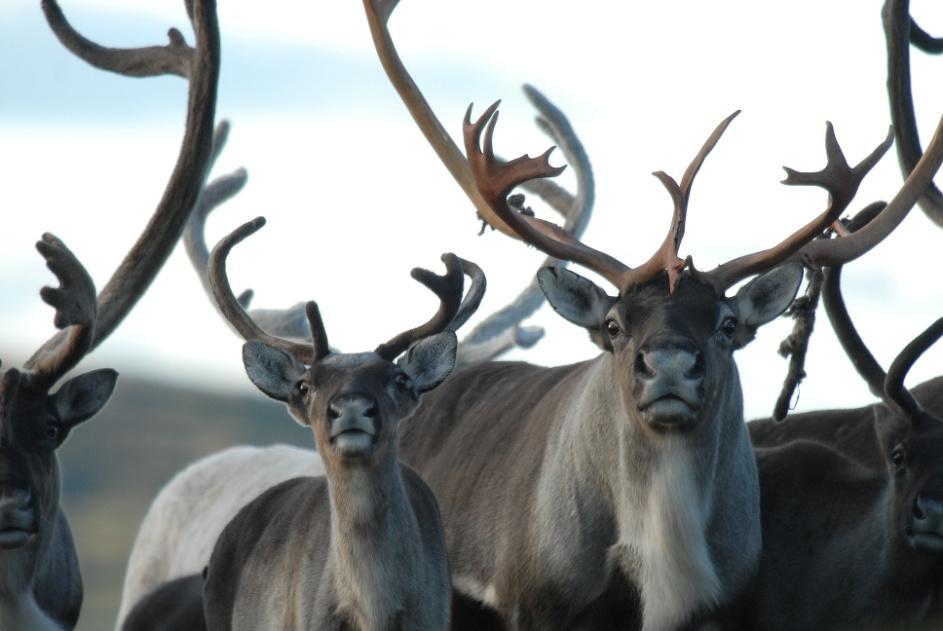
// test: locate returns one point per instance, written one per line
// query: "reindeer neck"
(665, 494)
(906, 572)
(374, 540)
(20, 611)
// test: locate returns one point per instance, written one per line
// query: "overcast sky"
(355, 198)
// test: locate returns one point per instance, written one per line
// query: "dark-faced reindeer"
(181, 526)
(363, 547)
(40, 584)
(622, 491)
(849, 544)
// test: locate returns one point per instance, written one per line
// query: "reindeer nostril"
(642, 369)
(333, 411)
(26, 501)
(370, 411)
(696, 371)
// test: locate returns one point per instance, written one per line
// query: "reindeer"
(40, 582)
(181, 526)
(370, 533)
(621, 491)
(829, 517)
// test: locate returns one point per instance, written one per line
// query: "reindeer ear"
(272, 370)
(577, 299)
(81, 398)
(430, 360)
(764, 298)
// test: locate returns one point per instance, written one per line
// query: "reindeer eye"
(729, 326)
(301, 389)
(898, 458)
(52, 432)
(612, 328)
(402, 381)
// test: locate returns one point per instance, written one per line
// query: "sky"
(355, 198)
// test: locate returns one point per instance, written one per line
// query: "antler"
(840, 180)
(236, 315)
(449, 288)
(834, 252)
(861, 358)
(453, 310)
(496, 178)
(175, 58)
(147, 255)
(76, 311)
(501, 331)
(896, 395)
(378, 15)
(900, 31)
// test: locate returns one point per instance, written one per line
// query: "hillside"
(114, 464)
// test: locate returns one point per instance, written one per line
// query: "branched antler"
(502, 330)
(76, 306)
(145, 258)
(449, 288)
(838, 178)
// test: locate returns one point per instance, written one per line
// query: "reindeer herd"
(447, 490)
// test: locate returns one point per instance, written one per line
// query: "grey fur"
(362, 549)
(560, 500)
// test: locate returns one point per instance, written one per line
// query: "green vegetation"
(114, 464)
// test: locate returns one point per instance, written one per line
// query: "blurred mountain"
(114, 464)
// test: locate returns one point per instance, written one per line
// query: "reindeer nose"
(674, 362)
(669, 380)
(17, 516)
(352, 405)
(928, 514)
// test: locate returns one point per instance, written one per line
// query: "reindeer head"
(34, 422)
(673, 352)
(671, 331)
(911, 440)
(353, 402)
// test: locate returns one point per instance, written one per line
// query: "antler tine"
(900, 31)
(237, 317)
(861, 358)
(176, 57)
(496, 178)
(501, 331)
(841, 182)
(318, 332)
(448, 288)
(666, 256)
(472, 299)
(76, 311)
(895, 394)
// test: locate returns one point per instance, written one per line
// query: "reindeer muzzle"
(17, 517)
(352, 425)
(926, 524)
(669, 382)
